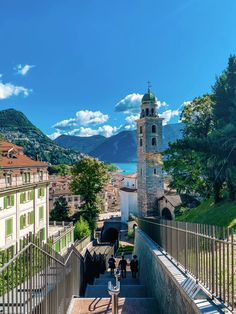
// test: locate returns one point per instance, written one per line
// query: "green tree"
(88, 179)
(81, 229)
(60, 211)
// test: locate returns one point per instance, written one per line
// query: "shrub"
(81, 229)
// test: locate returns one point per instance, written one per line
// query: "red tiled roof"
(5, 146)
(132, 175)
(19, 160)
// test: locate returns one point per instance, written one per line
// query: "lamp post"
(114, 291)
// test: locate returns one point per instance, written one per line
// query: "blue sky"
(68, 64)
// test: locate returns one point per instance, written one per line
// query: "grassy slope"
(221, 214)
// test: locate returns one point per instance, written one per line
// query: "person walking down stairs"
(123, 265)
(134, 266)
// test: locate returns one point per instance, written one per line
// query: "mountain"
(80, 144)
(16, 128)
(117, 148)
(121, 147)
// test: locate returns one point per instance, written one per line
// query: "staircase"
(133, 298)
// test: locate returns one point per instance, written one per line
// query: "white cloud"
(130, 104)
(82, 118)
(23, 69)
(54, 135)
(168, 115)
(65, 124)
(105, 130)
(85, 117)
(132, 119)
(7, 90)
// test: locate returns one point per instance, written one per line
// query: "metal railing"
(36, 279)
(207, 252)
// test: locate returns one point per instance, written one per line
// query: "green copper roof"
(149, 96)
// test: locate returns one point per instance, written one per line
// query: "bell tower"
(149, 145)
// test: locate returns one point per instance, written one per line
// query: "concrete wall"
(163, 280)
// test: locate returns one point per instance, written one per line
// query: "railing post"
(186, 247)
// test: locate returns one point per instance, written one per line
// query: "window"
(154, 171)
(141, 130)
(41, 234)
(147, 112)
(41, 213)
(152, 111)
(40, 175)
(8, 179)
(26, 196)
(26, 177)
(41, 192)
(76, 199)
(8, 201)
(153, 129)
(141, 142)
(154, 141)
(142, 113)
(23, 221)
(8, 227)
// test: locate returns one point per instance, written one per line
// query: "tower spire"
(149, 86)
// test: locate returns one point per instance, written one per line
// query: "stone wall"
(163, 280)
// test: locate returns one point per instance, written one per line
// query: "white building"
(128, 197)
(24, 196)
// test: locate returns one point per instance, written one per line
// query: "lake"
(126, 168)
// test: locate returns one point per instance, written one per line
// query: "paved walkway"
(133, 298)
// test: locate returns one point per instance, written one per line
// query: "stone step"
(126, 291)
(124, 281)
(103, 305)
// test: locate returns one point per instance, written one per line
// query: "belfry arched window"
(154, 141)
(141, 130)
(152, 111)
(147, 112)
(141, 142)
(154, 129)
(142, 115)
(154, 171)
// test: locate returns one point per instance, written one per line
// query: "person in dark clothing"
(112, 264)
(134, 266)
(122, 265)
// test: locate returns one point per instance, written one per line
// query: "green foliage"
(19, 130)
(131, 234)
(60, 170)
(89, 177)
(111, 167)
(208, 212)
(60, 211)
(81, 229)
(204, 161)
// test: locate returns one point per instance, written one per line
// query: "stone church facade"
(149, 143)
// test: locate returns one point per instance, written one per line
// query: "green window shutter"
(22, 198)
(5, 202)
(41, 213)
(12, 200)
(32, 195)
(9, 227)
(39, 193)
(43, 192)
(32, 218)
(21, 222)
